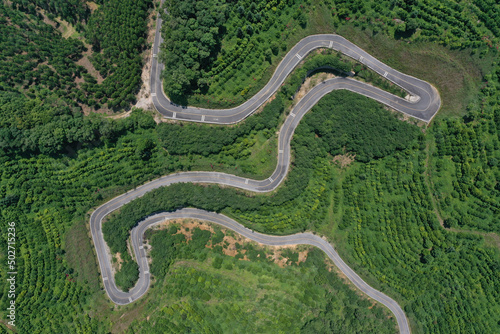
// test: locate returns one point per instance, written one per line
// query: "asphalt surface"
(425, 104)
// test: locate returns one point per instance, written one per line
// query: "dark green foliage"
(72, 11)
(117, 32)
(129, 273)
(35, 57)
(39, 98)
(221, 47)
(192, 32)
(44, 124)
(205, 140)
(355, 124)
(323, 61)
(49, 126)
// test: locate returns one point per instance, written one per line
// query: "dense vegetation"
(180, 139)
(57, 165)
(40, 98)
(73, 11)
(44, 196)
(220, 48)
(251, 37)
(458, 24)
(117, 32)
(213, 292)
(371, 140)
(391, 231)
(466, 170)
(37, 58)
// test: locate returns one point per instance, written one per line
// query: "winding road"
(424, 105)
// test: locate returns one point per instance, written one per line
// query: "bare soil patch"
(92, 6)
(118, 264)
(344, 160)
(310, 83)
(144, 100)
(85, 62)
(231, 239)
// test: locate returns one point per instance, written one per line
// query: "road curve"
(266, 185)
(423, 106)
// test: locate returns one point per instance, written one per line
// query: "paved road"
(266, 185)
(426, 103)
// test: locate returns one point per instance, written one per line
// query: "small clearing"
(310, 83)
(344, 160)
(85, 62)
(117, 266)
(92, 6)
(230, 240)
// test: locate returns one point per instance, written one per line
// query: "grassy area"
(214, 285)
(80, 255)
(456, 74)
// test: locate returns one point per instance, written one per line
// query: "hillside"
(412, 207)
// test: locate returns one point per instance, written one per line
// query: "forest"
(413, 207)
(244, 296)
(251, 37)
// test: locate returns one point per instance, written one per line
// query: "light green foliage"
(466, 170)
(390, 232)
(212, 292)
(448, 22)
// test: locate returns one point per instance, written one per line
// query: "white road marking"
(331, 44)
(385, 74)
(292, 114)
(203, 118)
(175, 114)
(298, 56)
(153, 94)
(155, 55)
(246, 181)
(271, 179)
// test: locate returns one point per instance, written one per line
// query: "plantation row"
(467, 170)
(45, 196)
(219, 293)
(393, 234)
(117, 32)
(36, 57)
(455, 24)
